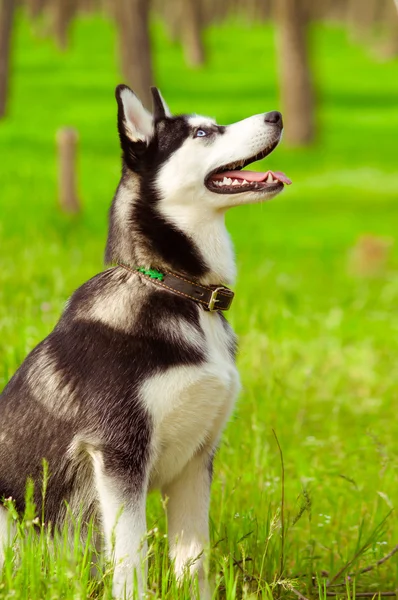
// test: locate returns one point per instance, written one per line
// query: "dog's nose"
(274, 117)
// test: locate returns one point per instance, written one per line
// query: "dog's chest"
(189, 405)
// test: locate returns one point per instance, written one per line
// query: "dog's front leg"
(122, 504)
(7, 532)
(188, 518)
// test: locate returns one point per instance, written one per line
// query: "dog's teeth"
(245, 182)
(269, 179)
(227, 181)
(235, 182)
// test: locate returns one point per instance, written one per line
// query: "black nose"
(274, 117)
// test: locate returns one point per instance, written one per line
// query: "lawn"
(318, 345)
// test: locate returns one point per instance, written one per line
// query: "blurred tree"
(87, 6)
(362, 16)
(7, 10)
(185, 20)
(252, 11)
(375, 22)
(67, 139)
(259, 10)
(35, 7)
(334, 10)
(132, 19)
(132, 22)
(390, 26)
(214, 11)
(63, 13)
(192, 32)
(296, 86)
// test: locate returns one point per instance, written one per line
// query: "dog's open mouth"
(230, 179)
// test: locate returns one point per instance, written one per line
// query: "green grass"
(318, 347)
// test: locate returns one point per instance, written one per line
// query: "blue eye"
(200, 133)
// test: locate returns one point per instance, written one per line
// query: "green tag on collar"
(152, 273)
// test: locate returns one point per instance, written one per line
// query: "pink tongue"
(253, 176)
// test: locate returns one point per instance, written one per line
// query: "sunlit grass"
(318, 347)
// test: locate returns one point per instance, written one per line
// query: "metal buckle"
(213, 299)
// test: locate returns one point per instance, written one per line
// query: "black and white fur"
(133, 387)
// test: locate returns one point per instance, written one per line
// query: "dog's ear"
(134, 121)
(160, 108)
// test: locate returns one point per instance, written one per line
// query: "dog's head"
(180, 174)
(189, 159)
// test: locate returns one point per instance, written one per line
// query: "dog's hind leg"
(122, 503)
(188, 518)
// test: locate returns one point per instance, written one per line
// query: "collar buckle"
(214, 299)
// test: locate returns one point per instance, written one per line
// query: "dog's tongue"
(253, 176)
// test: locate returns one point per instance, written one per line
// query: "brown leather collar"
(212, 297)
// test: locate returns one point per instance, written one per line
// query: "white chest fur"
(190, 405)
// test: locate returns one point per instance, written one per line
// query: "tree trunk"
(191, 33)
(132, 19)
(261, 10)
(173, 23)
(296, 86)
(88, 6)
(215, 11)
(35, 7)
(333, 10)
(67, 145)
(253, 10)
(389, 26)
(170, 15)
(63, 13)
(7, 8)
(394, 41)
(362, 16)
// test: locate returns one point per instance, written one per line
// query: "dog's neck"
(210, 236)
(182, 239)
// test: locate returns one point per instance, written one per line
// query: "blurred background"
(317, 292)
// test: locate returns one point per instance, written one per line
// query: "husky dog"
(133, 387)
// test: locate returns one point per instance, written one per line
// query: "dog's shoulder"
(127, 303)
(110, 297)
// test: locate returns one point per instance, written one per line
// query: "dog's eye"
(200, 133)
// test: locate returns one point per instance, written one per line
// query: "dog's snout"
(274, 117)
